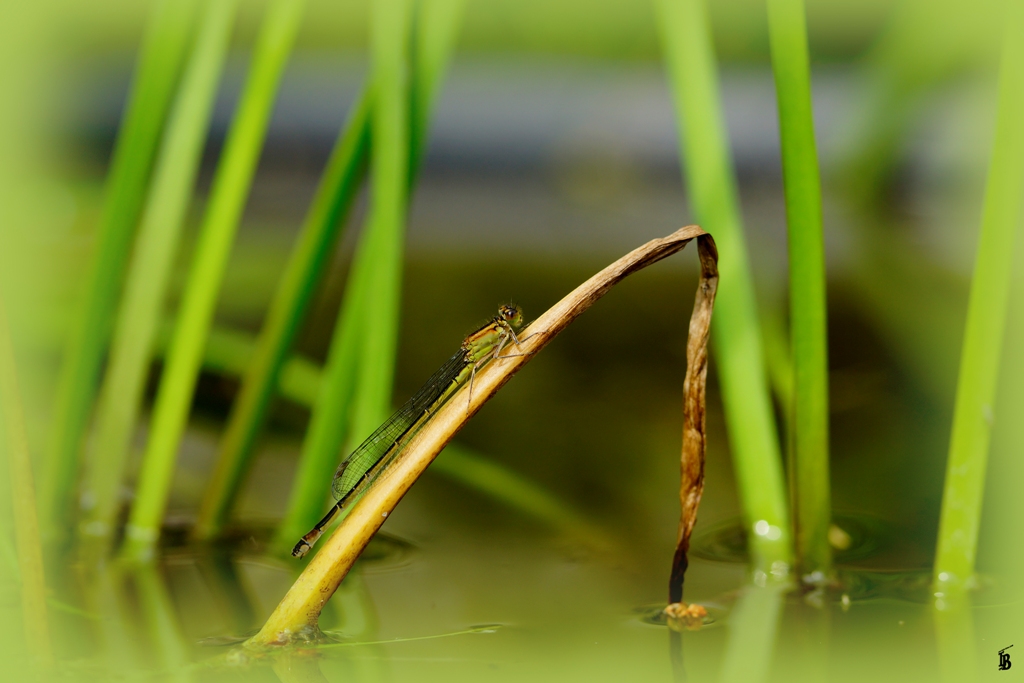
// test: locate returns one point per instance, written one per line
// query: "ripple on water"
(862, 536)
(383, 551)
(655, 614)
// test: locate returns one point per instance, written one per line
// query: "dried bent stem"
(295, 618)
(691, 483)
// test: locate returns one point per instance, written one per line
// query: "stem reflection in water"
(753, 624)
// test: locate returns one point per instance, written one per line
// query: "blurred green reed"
(160, 59)
(14, 445)
(227, 199)
(923, 49)
(328, 423)
(924, 44)
(436, 25)
(434, 40)
(778, 358)
(808, 438)
(736, 335)
(974, 410)
(358, 374)
(149, 272)
(379, 261)
(1004, 506)
(303, 272)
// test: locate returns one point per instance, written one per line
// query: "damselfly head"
(511, 314)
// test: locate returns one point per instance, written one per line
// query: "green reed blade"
(373, 285)
(160, 58)
(319, 455)
(809, 467)
(227, 199)
(736, 336)
(435, 30)
(973, 413)
(148, 275)
(1003, 505)
(924, 44)
(778, 358)
(320, 232)
(912, 303)
(344, 385)
(390, 25)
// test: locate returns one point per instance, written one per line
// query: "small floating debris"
(682, 617)
(838, 538)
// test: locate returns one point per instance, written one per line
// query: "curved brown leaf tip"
(691, 484)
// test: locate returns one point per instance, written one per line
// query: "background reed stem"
(320, 232)
(435, 29)
(390, 25)
(809, 466)
(227, 199)
(736, 336)
(328, 423)
(149, 272)
(435, 34)
(156, 73)
(973, 412)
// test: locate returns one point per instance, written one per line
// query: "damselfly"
(365, 464)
